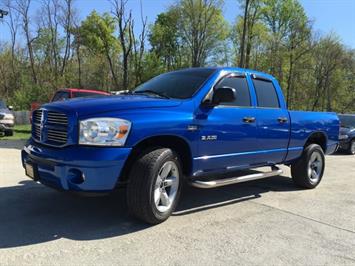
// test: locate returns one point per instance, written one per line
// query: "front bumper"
(7, 124)
(76, 168)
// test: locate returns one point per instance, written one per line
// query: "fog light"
(75, 176)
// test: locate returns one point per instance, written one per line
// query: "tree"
(255, 29)
(298, 44)
(50, 25)
(165, 39)
(202, 27)
(249, 32)
(139, 48)
(67, 24)
(23, 7)
(97, 34)
(75, 30)
(13, 24)
(277, 15)
(246, 8)
(125, 30)
(329, 57)
(50, 47)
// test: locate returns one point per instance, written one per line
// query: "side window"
(60, 96)
(242, 90)
(266, 94)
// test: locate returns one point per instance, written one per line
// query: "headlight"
(342, 137)
(104, 131)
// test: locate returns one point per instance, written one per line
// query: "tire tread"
(300, 167)
(140, 182)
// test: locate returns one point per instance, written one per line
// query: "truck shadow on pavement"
(31, 213)
(195, 200)
(12, 144)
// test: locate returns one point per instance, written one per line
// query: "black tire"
(9, 133)
(142, 183)
(351, 149)
(301, 170)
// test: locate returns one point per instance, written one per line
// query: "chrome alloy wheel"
(315, 167)
(166, 186)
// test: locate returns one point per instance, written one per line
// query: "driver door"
(228, 132)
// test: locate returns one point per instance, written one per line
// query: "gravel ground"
(267, 222)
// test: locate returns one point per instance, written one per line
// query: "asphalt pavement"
(265, 222)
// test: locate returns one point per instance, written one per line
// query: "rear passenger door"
(272, 117)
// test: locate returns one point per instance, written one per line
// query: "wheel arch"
(176, 143)
(319, 138)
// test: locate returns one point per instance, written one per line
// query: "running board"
(234, 180)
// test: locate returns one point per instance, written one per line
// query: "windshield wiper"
(153, 92)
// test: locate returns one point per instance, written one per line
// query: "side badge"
(210, 137)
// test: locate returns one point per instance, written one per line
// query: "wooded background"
(53, 48)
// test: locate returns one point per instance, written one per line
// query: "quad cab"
(189, 126)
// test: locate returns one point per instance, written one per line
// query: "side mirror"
(223, 94)
(10, 107)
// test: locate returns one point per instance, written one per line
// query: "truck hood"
(94, 105)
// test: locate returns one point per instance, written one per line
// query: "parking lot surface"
(269, 222)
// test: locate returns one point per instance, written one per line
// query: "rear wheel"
(352, 147)
(307, 171)
(154, 185)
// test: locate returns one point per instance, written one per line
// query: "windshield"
(179, 84)
(2, 105)
(347, 120)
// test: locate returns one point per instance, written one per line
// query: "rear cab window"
(266, 93)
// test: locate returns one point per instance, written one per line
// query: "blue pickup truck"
(187, 126)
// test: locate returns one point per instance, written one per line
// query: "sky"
(329, 16)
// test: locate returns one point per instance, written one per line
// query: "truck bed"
(304, 124)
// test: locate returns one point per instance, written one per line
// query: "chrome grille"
(50, 127)
(57, 136)
(37, 132)
(57, 118)
(37, 116)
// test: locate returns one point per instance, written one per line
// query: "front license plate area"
(30, 170)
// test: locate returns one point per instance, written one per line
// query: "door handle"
(282, 119)
(249, 119)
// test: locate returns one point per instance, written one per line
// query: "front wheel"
(154, 185)
(307, 171)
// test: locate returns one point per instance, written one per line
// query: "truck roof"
(237, 69)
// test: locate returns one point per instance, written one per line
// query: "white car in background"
(7, 119)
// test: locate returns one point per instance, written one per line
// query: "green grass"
(21, 132)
